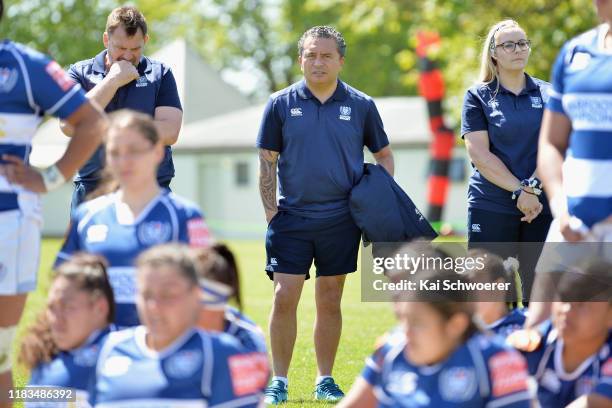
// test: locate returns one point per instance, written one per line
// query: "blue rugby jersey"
(511, 322)
(481, 372)
(245, 330)
(31, 85)
(70, 369)
(199, 369)
(557, 387)
(98, 228)
(582, 90)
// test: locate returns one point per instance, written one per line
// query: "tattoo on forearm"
(267, 179)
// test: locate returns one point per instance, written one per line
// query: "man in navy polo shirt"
(315, 131)
(122, 77)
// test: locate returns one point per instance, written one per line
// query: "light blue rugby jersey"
(101, 227)
(480, 373)
(31, 85)
(199, 369)
(70, 369)
(582, 90)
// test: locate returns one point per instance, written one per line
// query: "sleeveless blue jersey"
(98, 228)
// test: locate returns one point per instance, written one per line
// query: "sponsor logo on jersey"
(457, 384)
(154, 232)
(60, 76)
(142, 81)
(402, 383)
(184, 364)
(198, 233)
(345, 113)
(296, 111)
(97, 233)
(115, 366)
(8, 79)
(508, 373)
(249, 372)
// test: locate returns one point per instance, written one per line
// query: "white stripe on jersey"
(481, 367)
(173, 218)
(554, 94)
(587, 178)
(155, 403)
(75, 88)
(589, 111)
(26, 80)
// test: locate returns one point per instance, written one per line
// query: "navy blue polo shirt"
(320, 145)
(513, 124)
(155, 87)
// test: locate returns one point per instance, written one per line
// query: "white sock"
(283, 379)
(320, 378)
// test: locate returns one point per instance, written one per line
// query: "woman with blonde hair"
(501, 120)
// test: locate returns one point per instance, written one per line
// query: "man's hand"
(17, 172)
(267, 181)
(122, 73)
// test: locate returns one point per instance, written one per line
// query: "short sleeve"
(509, 380)
(195, 231)
(374, 136)
(71, 244)
(239, 377)
(373, 367)
(53, 90)
(73, 73)
(473, 118)
(168, 92)
(270, 136)
(556, 92)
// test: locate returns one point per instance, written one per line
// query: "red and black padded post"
(431, 87)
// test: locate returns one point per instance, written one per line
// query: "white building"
(216, 160)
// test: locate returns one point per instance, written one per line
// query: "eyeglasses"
(510, 46)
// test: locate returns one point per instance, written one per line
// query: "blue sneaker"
(275, 393)
(328, 390)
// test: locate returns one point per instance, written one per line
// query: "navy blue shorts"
(293, 242)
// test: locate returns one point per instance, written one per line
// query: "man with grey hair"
(314, 131)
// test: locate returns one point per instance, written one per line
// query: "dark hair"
(219, 264)
(495, 268)
(129, 17)
(119, 120)
(589, 280)
(88, 272)
(172, 255)
(323, 32)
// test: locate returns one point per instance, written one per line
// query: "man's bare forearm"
(267, 181)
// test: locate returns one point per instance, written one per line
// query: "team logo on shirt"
(8, 79)
(142, 81)
(457, 384)
(183, 364)
(154, 232)
(97, 233)
(536, 102)
(345, 113)
(296, 111)
(402, 383)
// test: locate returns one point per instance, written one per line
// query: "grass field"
(363, 322)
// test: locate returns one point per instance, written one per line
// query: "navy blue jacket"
(383, 211)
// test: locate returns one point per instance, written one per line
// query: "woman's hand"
(529, 204)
